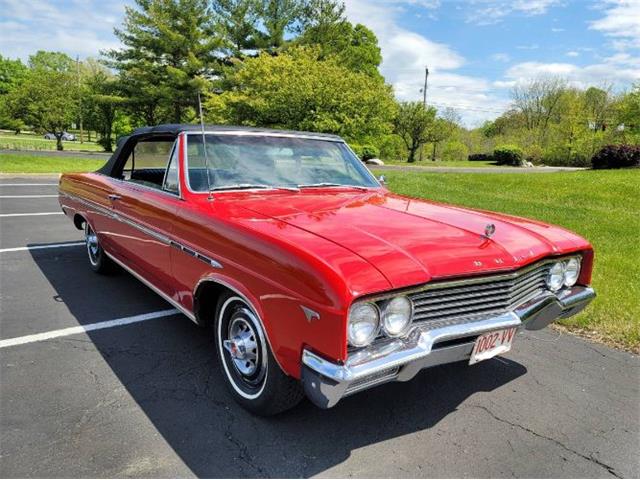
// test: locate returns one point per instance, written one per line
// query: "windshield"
(260, 161)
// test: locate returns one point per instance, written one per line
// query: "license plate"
(491, 344)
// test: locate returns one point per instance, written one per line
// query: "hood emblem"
(489, 230)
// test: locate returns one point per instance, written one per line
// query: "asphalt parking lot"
(145, 399)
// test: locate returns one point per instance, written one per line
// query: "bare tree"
(538, 101)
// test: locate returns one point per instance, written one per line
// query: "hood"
(411, 241)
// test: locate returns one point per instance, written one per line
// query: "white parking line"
(40, 247)
(63, 332)
(27, 184)
(29, 214)
(28, 196)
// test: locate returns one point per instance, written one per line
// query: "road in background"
(147, 399)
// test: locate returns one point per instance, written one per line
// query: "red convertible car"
(314, 278)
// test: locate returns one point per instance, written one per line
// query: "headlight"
(396, 316)
(555, 278)
(363, 324)
(571, 271)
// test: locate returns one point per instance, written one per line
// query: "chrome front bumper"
(428, 344)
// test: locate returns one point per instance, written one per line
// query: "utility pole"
(79, 97)
(424, 90)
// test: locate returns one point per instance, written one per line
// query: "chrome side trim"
(152, 233)
(186, 312)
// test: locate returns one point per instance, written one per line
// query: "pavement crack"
(589, 458)
(243, 451)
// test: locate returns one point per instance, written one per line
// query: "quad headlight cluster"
(366, 319)
(563, 273)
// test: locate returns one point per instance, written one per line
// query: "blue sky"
(476, 50)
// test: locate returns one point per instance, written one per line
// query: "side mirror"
(382, 180)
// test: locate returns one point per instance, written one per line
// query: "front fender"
(289, 328)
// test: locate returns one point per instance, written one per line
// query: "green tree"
(278, 17)
(414, 123)
(46, 100)
(627, 114)
(12, 74)
(102, 100)
(440, 130)
(55, 61)
(356, 47)
(296, 91)
(238, 22)
(167, 45)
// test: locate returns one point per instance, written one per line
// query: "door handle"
(114, 197)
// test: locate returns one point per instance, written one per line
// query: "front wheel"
(98, 260)
(250, 372)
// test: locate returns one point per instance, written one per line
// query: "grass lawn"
(602, 206)
(32, 142)
(440, 163)
(25, 163)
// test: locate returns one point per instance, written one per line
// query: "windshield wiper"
(329, 184)
(249, 186)
(239, 186)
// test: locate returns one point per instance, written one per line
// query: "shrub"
(455, 151)
(392, 148)
(508, 155)
(534, 154)
(369, 151)
(564, 156)
(617, 156)
(357, 149)
(365, 152)
(480, 157)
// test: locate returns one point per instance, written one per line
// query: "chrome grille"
(373, 379)
(478, 296)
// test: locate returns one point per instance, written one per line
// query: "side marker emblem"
(310, 314)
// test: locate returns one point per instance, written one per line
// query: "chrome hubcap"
(92, 244)
(243, 347)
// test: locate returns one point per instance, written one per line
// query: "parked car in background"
(66, 136)
(314, 278)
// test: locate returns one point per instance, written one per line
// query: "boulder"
(374, 161)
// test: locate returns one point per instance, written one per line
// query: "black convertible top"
(176, 128)
(171, 130)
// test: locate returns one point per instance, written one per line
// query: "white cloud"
(557, 30)
(572, 53)
(489, 12)
(82, 28)
(622, 22)
(500, 57)
(617, 71)
(406, 54)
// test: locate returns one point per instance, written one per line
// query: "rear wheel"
(98, 260)
(250, 372)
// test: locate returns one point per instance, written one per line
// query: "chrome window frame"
(174, 150)
(177, 195)
(246, 133)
